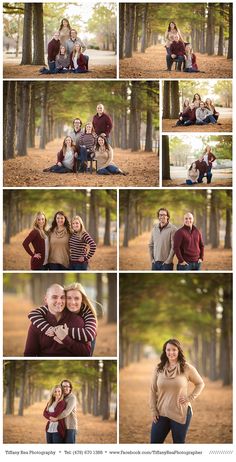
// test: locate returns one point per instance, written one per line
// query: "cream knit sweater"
(69, 413)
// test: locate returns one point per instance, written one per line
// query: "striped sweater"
(81, 334)
(88, 140)
(78, 247)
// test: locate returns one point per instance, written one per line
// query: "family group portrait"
(60, 402)
(58, 315)
(81, 133)
(176, 40)
(59, 40)
(176, 230)
(197, 160)
(176, 359)
(197, 106)
(60, 230)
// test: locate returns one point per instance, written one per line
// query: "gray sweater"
(69, 413)
(201, 114)
(161, 245)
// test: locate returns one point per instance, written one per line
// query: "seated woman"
(204, 116)
(192, 174)
(104, 157)
(66, 158)
(190, 60)
(209, 105)
(77, 60)
(182, 115)
(88, 138)
(62, 63)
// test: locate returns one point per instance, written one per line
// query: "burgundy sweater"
(38, 244)
(39, 344)
(80, 62)
(102, 124)
(61, 423)
(177, 48)
(60, 158)
(53, 49)
(188, 244)
(190, 114)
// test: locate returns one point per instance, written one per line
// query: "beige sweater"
(59, 248)
(69, 413)
(104, 157)
(166, 389)
(161, 245)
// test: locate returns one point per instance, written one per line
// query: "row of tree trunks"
(33, 25)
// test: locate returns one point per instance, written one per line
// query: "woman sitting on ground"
(77, 60)
(182, 115)
(192, 174)
(66, 158)
(104, 157)
(62, 61)
(88, 138)
(209, 105)
(190, 60)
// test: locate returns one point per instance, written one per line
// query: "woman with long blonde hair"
(77, 60)
(55, 431)
(36, 243)
(82, 246)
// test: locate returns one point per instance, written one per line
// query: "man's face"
(163, 217)
(73, 34)
(99, 109)
(188, 220)
(55, 299)
(176, 38)
(77, 125)
(66, 388)
(56, 36)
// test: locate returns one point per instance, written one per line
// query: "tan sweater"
(161, 245)
(104, 157)
(59, 248)
(69, 413)
(166, 389)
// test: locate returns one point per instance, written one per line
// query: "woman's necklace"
(60, 232)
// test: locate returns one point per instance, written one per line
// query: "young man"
(53, 50)
(177, 53)
(161, 245)
(204, 116)
(102, 122)
(188, 245)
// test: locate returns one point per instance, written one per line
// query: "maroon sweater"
(190, 114)
(188, 244)
(177, 48)
(53, 49)
(39, 344)
(102, 124)
(60, 158)
(38, 244)
(61, 428)
(80, 62)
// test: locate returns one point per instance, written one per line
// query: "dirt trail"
(142, 168)
(136, 256)
(92, 430)
(212, 410)
(16, 258)
(152, 65)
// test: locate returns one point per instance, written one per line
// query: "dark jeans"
(190, 182)
(93, 343)
(82, 159)
(160, 266)
(210, 119)
(60, 169)
(43, 268)
(192, 266)
(109, 170)
(54, 438)
(208, 176)
(80, 266)
(56, 267)
(169, 61)
(70, 436)
(190, 69)
(188, 122)
(164, 425)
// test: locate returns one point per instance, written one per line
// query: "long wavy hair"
(105, 142)
(54, 223)
(64, 147)
(86, 302)
(175, 28)
(82, 227)
(194, 99)
(43, 232)
(52, 398)
(68, 24)
(164, 359)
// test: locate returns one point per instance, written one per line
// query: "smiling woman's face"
(73, 300)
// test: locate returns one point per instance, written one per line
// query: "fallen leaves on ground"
(14, 71)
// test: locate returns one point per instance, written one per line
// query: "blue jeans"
(110, 169)
(164, 425)
(192, 266)
(188, 122)
(60, 169)
(56, 267)
(208, 176)
(190, 69)
(70, 436)
(191, 182)
(210, 119)
(160, 266)
(82, 159)
(54, 438)
(82, 266)
(169, 61)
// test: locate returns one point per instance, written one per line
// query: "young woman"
(170, 34)
(209, 105)
(66, 158)
(77, 60)
(64, 31)
(59, 235)
(55, 431)
(79, 242)
(192, 174)
(190, 60)
(182, 116)
(77, 301)
(170, 401)
(88, 138)
(196, 100)
(62, 61)
(38, 239)
(104, 157)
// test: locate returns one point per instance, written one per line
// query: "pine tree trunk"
(112, 298)
(11, 120)
(148, 139)
(228, 241)
(210, 30)
(27, 34)
(129, 27)
(43, 126)
(10, 387)
(175, 108)
(126, 218)
(122, 12)
(24, 371)
(144, 28)
(134, 129)
(165, 158)
(166, 100)
(24, 119)
(221, 31)
(31, 137)
(107, 234)
(230, 46)
(105, 392)
(38, 55)
(93, 216)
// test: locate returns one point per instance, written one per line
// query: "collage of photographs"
(117, 185)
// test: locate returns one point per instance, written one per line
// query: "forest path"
(102, 64)
(212, 411)
(16, 324)
(220, 177)
(136, 256)
(142, 168)
(92, 430)
(152, 65)
(16, 258)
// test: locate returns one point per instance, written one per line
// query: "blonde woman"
(36, 243)
(81, 245)
(55, 431)
(78, 302)
(77, 60)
